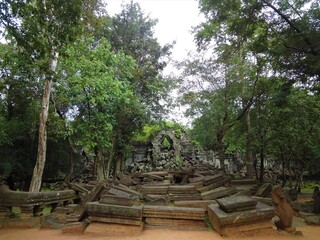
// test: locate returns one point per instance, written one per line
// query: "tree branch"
(293, 26)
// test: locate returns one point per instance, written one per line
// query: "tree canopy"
(78, 85)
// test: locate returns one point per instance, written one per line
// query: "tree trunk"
(71, 154)
(111, 154)
(249, 153)
(283, 169)
(99, 160)
(261, 163)
(221, 148)
(119, 163)
(36, 180)
(42, 140)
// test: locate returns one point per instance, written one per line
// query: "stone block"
(211, 179)
(116, 200)
(96, 228)
(224, 222)
(179, 197)
(108, 210)
(218, 193)
(174, 212)
(150, 189)
(236, 203)
(170, 222)
(73, 228)
(264, 190)
(220, 182)
(195, 204)
(182, 189)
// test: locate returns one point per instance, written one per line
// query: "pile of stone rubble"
(160, 199)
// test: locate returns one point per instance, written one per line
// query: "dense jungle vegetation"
(77, 83)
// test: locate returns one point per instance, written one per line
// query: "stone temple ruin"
(171, 150)
(181, 199)
(175, 194)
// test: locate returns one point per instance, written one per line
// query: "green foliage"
(179, 161)
(3, 130)
(258, 92)
(284, 34)
(177, 133)
(165, 144)
(132, 31)
(150, 130)
(96, 85)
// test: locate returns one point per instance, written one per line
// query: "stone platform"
(227, 224)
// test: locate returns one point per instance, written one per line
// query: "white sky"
(175, 21)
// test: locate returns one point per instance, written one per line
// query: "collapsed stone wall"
(181, 153)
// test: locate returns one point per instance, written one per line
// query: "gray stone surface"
(236, 203)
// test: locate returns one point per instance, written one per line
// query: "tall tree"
(275, 31)
(286, 32)
(41, 28)
(96, 87)
(132, 31)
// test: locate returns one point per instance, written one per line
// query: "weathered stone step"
(174, 212)
(112, 229)
(125, 179)
(9, 198)
(90, 197)
(195, 203)
(108, 210)
(158, 173)
(116, 200)
(126, 189)
(230, 223)
(196, 179)
(151, 189)
(180, 197)
(244, 182)
(218, 193)
(158, 183)
(182, 189)
(211, 179)
(79, 188)
(153, 177)
(120, 193)
(116, 220)
(169, 222)
(218, 183)
(236, 203)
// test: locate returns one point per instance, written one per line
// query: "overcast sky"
(176, 19)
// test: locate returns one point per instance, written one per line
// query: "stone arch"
(157, 140)
(165, 139)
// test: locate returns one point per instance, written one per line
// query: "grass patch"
(308, 187)
(46, 211)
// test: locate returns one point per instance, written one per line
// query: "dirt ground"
(308, 233)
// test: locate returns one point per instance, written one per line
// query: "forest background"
(77, 83)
